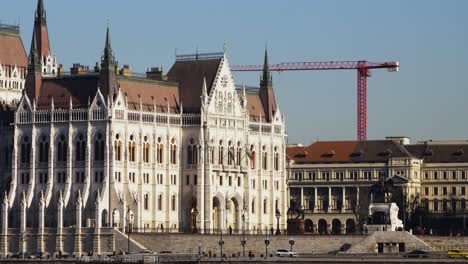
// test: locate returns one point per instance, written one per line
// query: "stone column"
(97, 226)
(315, 200)
(59, 234)
(22, 239)
(78, 246)
(40, 235)
(123, 214)
(343, 200)
(4, 235)
(302, 197)
(239, 219)
(357, 197)
(329, 200)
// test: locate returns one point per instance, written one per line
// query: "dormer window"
(427, 153)
(357, 154)
(301, 154)
(459, 153)
(329, 154)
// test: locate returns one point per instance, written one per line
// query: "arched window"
(131, 149)
(160, 202)
(80, 148)
(276, 206)
(173, 203)
(43, 149)
(62, 149)
(229, 107)
(276, 159)
(192, 152)
(221, 153)
(146, 201)
(173, 151)
(230, 153)
(160, 150)
(25, 150)
(435, 205)
(146, 150)
(99, 148)
(253, 206)
(252, 156)
(117, 148)
(220, 102)
(265, 206)
(238, 154)
(264, 158)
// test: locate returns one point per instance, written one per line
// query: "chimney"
(400, 140)
(78, 69)
(125, 71)
(155, 73)
(61, 70)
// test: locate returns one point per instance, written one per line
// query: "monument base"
(384, 217)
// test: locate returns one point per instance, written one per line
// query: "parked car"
(166, 252)
(417, 254)
(41, 255)
(455, 253)
(145, 251)
(286, 253)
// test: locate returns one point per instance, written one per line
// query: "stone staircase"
(391, 241)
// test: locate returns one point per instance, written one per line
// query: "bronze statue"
(382, 191)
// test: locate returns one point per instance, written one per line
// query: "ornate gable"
(223, 98)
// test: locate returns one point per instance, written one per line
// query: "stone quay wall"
(445, 243)
(190, 243)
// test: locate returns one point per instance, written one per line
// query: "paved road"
(341, 259)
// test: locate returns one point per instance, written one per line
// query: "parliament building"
(186, 151)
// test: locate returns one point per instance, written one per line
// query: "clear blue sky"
(427, 99)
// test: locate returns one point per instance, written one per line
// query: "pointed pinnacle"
(40, 11)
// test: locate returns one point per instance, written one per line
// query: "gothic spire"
(107, 56)
(266, 76)
(108, 79)
(266, 90)
(40, 10)
(33, 58)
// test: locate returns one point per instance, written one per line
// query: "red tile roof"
(12, 50)
(347, 152)
(79, 88)
(150, 92)
(440, 153)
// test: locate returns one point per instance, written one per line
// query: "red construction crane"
(363, 71)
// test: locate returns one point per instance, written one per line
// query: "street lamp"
(128, 229)
(243, 235)
(221, 243)
(195, 213)
(278, 215)
(267, 242)
(291, 242)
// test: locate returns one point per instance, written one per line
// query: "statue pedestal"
(295, 226)
(384, 217)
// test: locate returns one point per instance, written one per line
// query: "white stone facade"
(12, 79)
(136, 164)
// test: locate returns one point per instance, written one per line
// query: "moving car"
(286, 253)
(455, 253)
